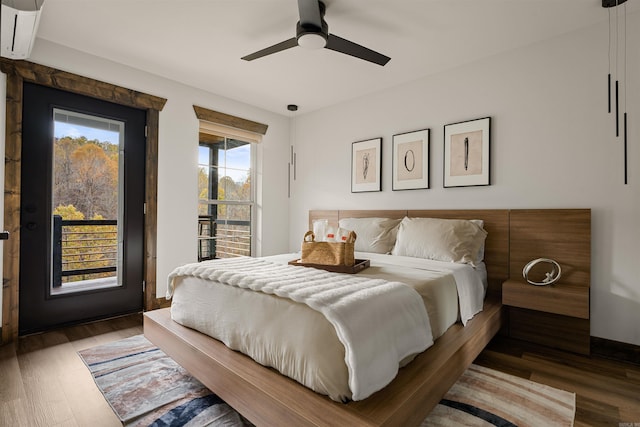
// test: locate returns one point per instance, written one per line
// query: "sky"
(65, 129)
(237, 160)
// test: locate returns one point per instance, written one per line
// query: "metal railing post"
(57, 251)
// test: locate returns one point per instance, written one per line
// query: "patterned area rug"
(485, 397)
(147, 388)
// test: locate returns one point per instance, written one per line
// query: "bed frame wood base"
(267, 398)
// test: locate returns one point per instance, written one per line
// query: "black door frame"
(18, 72)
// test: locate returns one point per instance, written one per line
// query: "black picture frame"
(410, 165)
(366, 166)
(467, 153)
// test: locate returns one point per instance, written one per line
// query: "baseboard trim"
(615, 350)
(161, 303)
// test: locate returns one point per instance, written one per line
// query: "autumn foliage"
(86, 187)
(86, 176)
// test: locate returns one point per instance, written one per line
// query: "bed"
(267, 398)
(351, 344)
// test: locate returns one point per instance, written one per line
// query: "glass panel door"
(81, 209)
(87, 214)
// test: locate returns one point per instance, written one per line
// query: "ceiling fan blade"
(310, 14)
(287, 44)
(350, 48)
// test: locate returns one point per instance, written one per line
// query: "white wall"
(553, 146)
(178, 155)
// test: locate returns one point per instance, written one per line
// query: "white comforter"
(470, 282)
(380, 323)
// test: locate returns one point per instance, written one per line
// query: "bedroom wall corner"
(553, 145)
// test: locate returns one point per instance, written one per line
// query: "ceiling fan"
(312, 32)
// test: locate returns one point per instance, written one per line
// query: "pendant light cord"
(609, 52)
(617, 62)
(624, 68)
(624, 57)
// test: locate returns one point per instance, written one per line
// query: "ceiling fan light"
(312, 41)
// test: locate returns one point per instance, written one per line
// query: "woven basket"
(328, 253)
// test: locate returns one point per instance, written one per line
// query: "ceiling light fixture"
(609, 4)
(312, 41)
(292, 139)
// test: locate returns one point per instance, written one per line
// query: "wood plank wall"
(563, 235)
(557, 316)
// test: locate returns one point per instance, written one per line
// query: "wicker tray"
(360, 265)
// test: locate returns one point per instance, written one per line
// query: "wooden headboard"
(515, 237)
(496, 222)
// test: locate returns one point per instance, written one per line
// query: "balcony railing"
(84, 249)
(223, 238)
(88, 249)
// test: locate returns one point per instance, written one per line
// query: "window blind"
(229, 132)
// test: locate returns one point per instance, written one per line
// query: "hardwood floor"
(607, 391)
(43, 382)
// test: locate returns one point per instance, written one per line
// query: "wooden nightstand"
(555, 315)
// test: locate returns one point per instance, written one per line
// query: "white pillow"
(376, 235)
(480, 256)
(453, 240)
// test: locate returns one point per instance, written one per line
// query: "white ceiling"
(200, 42)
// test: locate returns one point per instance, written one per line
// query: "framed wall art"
(366, 165)
(411, 160)
(467, 153)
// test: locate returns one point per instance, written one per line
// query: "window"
(226, 197)
(87, 201)
(226, 183)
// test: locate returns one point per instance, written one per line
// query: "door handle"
(4, 235)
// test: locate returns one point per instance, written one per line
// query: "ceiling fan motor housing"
(312, 37)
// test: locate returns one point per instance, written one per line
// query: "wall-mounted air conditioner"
(19, 23)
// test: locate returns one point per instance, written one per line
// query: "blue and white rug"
(147, 388)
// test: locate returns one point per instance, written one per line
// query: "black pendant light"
(614, 4)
